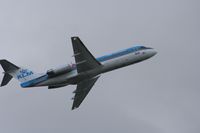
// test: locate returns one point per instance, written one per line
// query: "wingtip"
(74, 37)
(73, 108)
(2, 84)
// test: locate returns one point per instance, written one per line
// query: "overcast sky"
(160, 95)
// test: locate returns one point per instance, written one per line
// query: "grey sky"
(160, 95)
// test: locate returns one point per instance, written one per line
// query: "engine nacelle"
(59, 71)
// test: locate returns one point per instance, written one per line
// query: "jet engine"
(59, 71)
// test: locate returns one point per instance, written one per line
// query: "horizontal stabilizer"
(8, 66)
(6, 79)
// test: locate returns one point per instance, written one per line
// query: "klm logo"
(24, 73)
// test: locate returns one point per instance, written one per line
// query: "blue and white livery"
(84, 73)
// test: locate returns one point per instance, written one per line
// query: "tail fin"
(13, 71)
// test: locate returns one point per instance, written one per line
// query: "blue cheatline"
(100, 59)
(120, 53)
(34, 81)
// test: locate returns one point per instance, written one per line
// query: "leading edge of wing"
(84, 59)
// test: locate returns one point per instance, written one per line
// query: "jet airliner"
(84, 73)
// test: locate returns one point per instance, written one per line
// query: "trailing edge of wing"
(84, 59)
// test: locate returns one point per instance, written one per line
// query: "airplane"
(84, 73)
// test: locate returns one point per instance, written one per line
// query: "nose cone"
(152, 52)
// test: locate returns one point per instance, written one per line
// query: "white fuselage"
(109, 63)
(126, 60)
(84, 73)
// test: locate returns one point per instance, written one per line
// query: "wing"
(82, 90)
(84, 59)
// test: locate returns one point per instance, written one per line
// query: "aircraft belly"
(59, 80)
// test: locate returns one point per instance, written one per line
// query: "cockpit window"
(140, 48)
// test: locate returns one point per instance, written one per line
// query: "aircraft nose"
(152, 52)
